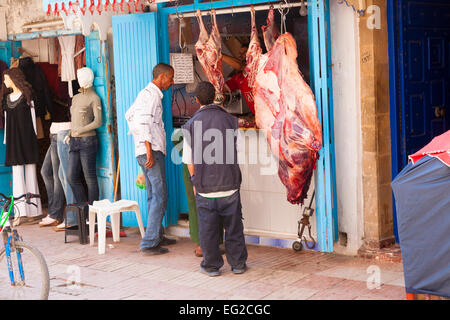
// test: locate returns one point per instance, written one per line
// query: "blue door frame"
(393, 89)
(97, 60)
(8, 50)
(321, 80)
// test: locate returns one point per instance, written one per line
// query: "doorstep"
(182, 230)
(391, 253)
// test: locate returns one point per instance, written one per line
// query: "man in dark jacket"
(216, 177)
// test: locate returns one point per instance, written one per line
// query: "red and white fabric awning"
(57, 7)
(439, 148)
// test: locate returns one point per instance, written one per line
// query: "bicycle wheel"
(36, 282)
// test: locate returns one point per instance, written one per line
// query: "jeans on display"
(155, 182)
(83, 160)
(53, 185)
(63, 154)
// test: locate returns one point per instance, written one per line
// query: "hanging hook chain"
(180, 17)
(283, 10)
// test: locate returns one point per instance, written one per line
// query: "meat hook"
(283, 13)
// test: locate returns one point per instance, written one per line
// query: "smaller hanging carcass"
(209, 53)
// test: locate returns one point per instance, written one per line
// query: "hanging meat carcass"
(254, 53)
(285, 109)
(270, 31)
(209, 54)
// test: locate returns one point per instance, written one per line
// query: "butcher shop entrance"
(268, 217)
(169, 36)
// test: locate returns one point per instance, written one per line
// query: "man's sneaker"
(239, 270)
(154, 251)
(166, 241)
(211, 273)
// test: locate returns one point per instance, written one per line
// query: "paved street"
(274, 273)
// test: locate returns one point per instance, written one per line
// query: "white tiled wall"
(265, 208)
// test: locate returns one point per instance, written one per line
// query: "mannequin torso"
(86, 113)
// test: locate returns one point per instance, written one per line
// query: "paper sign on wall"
(183, 64)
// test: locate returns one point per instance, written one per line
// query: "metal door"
(419, 76)
(97, 60)
(425, 71)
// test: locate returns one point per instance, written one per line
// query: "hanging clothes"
(61, 100)
(80, 60)
(20, 133)
(36, 77)
(67, 45)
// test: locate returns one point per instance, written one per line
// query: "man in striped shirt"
(147, 127)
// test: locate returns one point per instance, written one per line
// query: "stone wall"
(20, 12)
(375, 126)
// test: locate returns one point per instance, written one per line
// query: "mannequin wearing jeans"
(54, 172)
(55, 191)
(20, 131)
(86, 113)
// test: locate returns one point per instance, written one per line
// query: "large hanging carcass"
(285, 108)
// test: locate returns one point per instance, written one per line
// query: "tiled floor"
(274, 273)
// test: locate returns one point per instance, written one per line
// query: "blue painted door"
(8, 49)
(424, 63)
(419, 76)
(97, 60)
(321, 84)
(136, 52)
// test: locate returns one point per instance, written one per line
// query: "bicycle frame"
(8, 259)
(7, 243)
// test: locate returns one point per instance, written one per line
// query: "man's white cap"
(85, 77)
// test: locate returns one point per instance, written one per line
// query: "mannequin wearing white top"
(24, 176)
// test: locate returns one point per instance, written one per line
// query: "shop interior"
(235, 29)
(42, 63)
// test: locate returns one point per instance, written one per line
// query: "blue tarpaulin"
(422, 197)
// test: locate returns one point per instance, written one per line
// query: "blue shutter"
(8, 49)
(135, 54)
(321, 83)
(97, 60)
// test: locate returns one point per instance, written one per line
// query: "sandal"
(61, 227)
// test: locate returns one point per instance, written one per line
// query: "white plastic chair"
(105, 208)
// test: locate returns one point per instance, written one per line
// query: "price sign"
(183, 64)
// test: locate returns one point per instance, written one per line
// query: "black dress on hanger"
(36, 77)
(21, 141)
